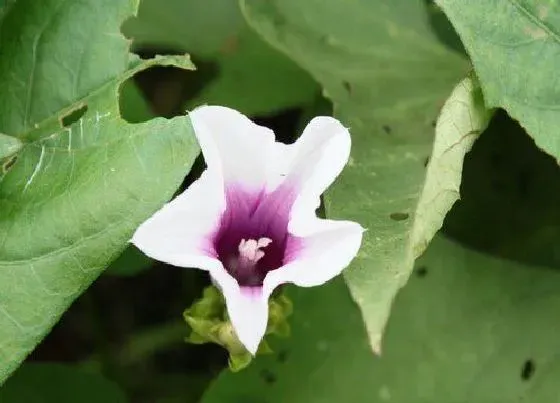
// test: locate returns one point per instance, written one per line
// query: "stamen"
(249, 250)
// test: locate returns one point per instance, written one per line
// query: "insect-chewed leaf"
(84, 178)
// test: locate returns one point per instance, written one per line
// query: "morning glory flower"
(250, 219)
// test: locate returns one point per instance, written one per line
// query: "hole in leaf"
(73, 116)
(528, 370)
(162, 91)
(387, 129)
(9, 163)
(422, 271)
(282, 356)
(268, 376)
(399, 216)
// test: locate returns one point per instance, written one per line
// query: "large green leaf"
(55, 52)
(466, 328)
(515, 49)
(179, 25)
(251, 76)
(461, 121)
(387, 75)
(56, 383)
(75, 194)
(256, 79)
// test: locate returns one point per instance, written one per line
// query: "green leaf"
(75, 194)
(441, 345)
(256, 79)
(462, 119)
(515, 49)
(179, 25)
(387, 75)
(57, 383)
(251, 76)
(43, 68)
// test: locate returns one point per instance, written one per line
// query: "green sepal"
(209, 323)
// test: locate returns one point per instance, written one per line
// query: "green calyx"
(209, 323)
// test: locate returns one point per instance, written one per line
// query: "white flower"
(250, 219)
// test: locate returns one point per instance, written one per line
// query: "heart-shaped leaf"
(387, 74)
(84, 177)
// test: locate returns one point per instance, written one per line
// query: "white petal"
(320, 155)
(247, 309)
(328, 246)
(328, 249)
(180, 232)
(235, 145)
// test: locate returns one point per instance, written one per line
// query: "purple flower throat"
(253, 238)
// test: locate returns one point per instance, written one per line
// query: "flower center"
(243, 265)
(252, 239)
(250, 250)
